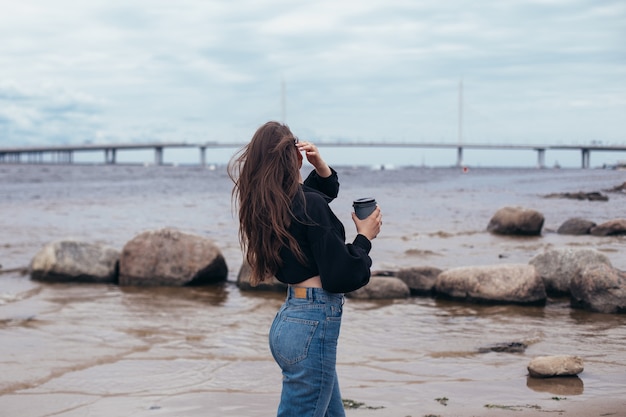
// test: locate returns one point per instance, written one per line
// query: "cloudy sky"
(533, 71)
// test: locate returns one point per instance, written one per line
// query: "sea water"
(104, 350)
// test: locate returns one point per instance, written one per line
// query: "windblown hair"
(266, 173)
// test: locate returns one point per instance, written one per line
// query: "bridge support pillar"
(459, 156)
(541, 158)
(64, 157)
(109, 156)
(585, 158)
(158, 155)
(202, 155)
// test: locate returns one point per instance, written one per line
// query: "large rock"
(516, 221)
(381, 288)
(616, 227)
(75, 261)
(576, 226)
(549, 366)
(557, 267)
(420, 280)
(599, 288)
(244, 284)
(170, 257)
(507, 283)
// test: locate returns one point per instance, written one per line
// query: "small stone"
(550, 366)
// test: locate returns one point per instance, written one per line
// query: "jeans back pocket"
(291, 338)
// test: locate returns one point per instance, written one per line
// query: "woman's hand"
(314, 158)
(369, 226)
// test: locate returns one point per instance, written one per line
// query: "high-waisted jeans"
(303, 341)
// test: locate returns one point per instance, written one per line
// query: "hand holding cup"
(367, 217)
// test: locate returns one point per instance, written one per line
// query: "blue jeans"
(303, 341)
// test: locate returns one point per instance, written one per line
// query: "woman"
(287, 230)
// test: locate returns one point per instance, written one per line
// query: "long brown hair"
(266, 173)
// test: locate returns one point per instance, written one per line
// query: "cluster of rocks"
(590, 196)
(528, 222)
(168, 257)
(585, 275)
(161, 257)
(171, 257)
(174, 258)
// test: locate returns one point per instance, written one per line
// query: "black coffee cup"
(363, 207)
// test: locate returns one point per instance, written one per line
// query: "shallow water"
(102, 350)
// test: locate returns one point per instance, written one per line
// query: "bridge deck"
(64, 153)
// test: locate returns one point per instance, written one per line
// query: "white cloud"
(374, 69)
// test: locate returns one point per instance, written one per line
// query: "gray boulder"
(557, 267)
(75, 261)
(381, 288)
(169, 257)
(600, 288)
(516, 221)
(616, 227)
(550, 366)
(244, 284)
(507, 283)
(420, 280)
(576, 226)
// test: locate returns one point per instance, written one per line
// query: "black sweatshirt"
(342, 267)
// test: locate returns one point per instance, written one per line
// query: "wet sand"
(249, 405)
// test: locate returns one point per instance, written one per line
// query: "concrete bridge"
(64, 154)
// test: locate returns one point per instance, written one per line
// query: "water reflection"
(150, 298)
(462, 308)
(606, 321)
(564, 385)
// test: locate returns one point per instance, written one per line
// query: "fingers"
(370, 226)
(314, 157)
(378, 219)
(309, 148)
